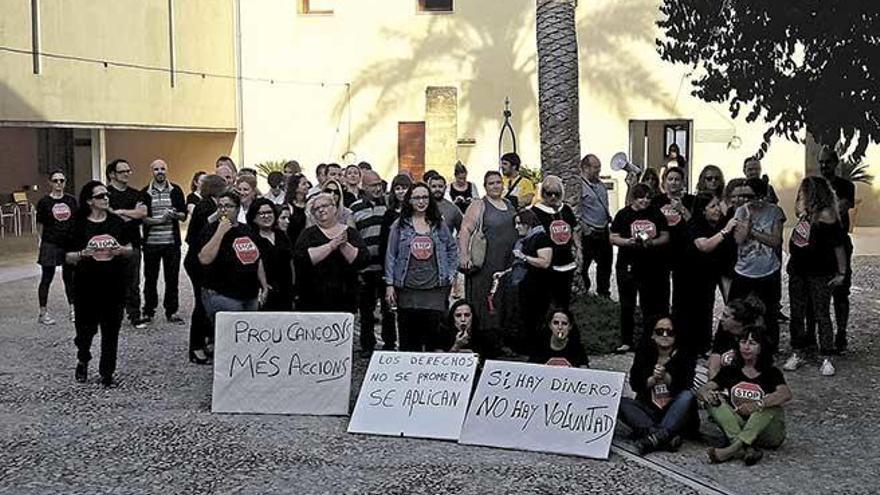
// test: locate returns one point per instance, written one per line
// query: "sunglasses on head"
(101, 196)
(664, 332)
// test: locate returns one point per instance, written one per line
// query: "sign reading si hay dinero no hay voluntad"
(282, 363)
(544, 409)
(414, 394)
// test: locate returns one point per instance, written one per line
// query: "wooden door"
(411, 148)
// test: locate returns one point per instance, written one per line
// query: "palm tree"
(558, 79)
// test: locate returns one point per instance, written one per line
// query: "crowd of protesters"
(450, 270)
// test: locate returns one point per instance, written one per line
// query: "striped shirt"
(368, 222)
(161, 234)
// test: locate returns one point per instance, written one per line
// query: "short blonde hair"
(551, 181)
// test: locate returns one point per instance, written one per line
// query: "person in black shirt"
(55, 216)
(737, 315)
(98, 248)
(200, 330)
(846, 199)
(746, 400)
(529, 279)
(399, 186)
(661, 376)
(234, 275)
(462, 332)
(561, 225)
(709, 253)
(560, 340)
(193, 198)
(295, 198)
(277, 255)
(640, 232)
(461, 190)
(676, 204)
(816, 265)
(128, 204)
(327, 257)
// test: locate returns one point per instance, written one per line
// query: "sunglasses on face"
(664, 332)
(553, 194)
(58, 181)
(101, 196)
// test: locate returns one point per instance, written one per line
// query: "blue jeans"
(215, 302)
(644, 419)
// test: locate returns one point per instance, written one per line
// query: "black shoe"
(652, 442)
(107, 381)
(82, 372)
(196, 359)
(752, 456)
(674, 443)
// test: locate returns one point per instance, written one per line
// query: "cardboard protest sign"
(282, 363)
(414, 394)
(544, 408)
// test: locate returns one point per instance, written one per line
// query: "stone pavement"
(155, 433)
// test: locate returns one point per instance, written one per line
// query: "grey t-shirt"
(593, 213)
(755, 259)
(451, 215)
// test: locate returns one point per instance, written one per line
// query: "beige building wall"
(67, 92)
(353, 75)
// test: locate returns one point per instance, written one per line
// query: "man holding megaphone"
(594, 218)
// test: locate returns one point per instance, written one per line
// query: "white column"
(99, 153)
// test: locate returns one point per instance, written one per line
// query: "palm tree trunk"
(558, 79)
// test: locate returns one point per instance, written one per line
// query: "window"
(435, 5)
(316, 7)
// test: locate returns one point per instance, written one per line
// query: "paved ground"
(155, 433)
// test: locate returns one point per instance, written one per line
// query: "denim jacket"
(397, 255)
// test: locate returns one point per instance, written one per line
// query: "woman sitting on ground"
(746, 400)
(738, 314)
(560, 341)
(661, 376)
(463, 333)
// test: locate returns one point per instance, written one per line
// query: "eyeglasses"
(226, 206)
(58, 181)
(420, 198)
(318, 208)
(554, 194)
(101, 196)
(664, 332)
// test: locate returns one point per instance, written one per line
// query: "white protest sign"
(544, 409)
(282, 363)
(414, 394)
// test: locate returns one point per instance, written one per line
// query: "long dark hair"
(450, 316)
(398, 180)
(574, 334)
(292, 185)
(84, 210)
(432, 214)
(254, 209)
(765, 357)
(701, 201)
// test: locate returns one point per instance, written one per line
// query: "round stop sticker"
(800, 236)
(727, 358)
(101, 246)
(422, 247)
(643, 229)
(245, 250)
(673, 217)
(560, 232)
(744, 392)
(61, 212)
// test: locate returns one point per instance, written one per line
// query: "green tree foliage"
(799, 65)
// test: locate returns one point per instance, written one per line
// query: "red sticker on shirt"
(673, 217)
(745, 392)
(643, 229)
(560, 232)
(422, 247)
(800, 236)
(61, 212)
(245, 250)
(101, 247)
(660, 395)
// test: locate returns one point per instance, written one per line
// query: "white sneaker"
(827, 369)
(792, 363)
(72, 315)
(45, 319)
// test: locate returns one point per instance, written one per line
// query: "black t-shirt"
(718, 262)
(129, 199)
(56, 217)
(533, 242)
(192, 199)
(573, 352)
(462, 199)
(276, 262)
(678, 226)
(845, 190)
(680, 368)
(234, 271)
(811, 247)
(297, 223)
(560, 227)
(725, 345)
(331, 285)
(742, 389)
(102, 273)
(197, 222)
(648, 224)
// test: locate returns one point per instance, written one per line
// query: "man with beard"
(451, 214)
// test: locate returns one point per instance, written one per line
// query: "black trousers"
(91, 313)
(420, 330)
(840, 296)
(595, 246)
(697, 314)
(169, 257)
(372, 289)
(652, 290)
(763, 288)
(46, 283)
(199, 324)
(133, 284)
